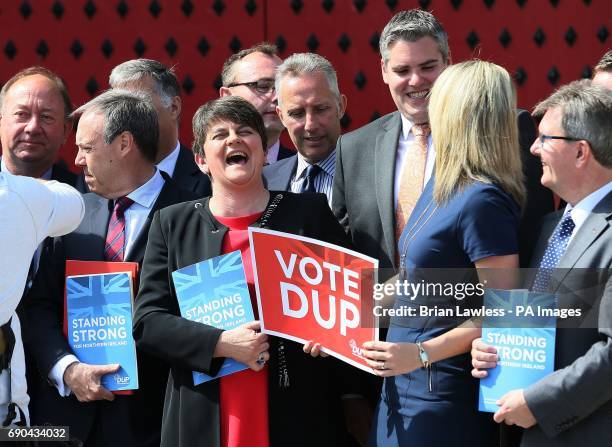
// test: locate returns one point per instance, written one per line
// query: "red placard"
(312, 290)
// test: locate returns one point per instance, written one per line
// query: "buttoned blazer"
(573, 405)
(134, 419)
(304, 414)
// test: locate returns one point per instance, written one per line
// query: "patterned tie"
(556, 247)
(115, 235)
(413, 176)
(308, 185)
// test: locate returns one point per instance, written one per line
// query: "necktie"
(556, 248)
(412, 178)
(308, 185)
(115, 235)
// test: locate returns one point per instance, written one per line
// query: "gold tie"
(413, 176)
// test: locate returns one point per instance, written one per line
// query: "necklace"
(411, 234)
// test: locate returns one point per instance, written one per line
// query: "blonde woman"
(466, 218)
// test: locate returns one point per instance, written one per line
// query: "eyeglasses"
(542, 138)
(262, 86)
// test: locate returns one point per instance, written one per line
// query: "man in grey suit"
(310, 106)
(414, 51)
(573, 405)
(370, 160)
(117, 138)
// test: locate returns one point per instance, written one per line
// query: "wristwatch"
(423, 355)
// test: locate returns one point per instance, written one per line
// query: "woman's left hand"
(391, 359)
(314, 349)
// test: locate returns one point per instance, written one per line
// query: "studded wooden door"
(544, 43)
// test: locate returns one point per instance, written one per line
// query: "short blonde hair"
(472, 113)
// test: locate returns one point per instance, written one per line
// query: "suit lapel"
(278, 175)
(591, 230)
(97, 223)
(384, 159)
(168, 195)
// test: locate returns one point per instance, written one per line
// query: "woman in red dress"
(286, 397)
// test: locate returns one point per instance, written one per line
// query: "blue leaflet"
(99, 309)
(215, 292)
(525, 340)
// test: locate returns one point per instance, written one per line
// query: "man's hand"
(84, 381)
(514, 410)
(484, 357)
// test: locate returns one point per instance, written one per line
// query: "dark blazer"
(187, 174)
(306, 413)
(277, 176)
(284, 152)
(573, 405)
(61, 173)
(364, 178)
(129, 420)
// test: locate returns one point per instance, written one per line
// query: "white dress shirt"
(169, 163)
(29, 212)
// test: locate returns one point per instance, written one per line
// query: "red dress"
(243, 395)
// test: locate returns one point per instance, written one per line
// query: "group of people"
(456, 177)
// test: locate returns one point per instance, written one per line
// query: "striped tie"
(115, 235)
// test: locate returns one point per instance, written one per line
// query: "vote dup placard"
(312, 290)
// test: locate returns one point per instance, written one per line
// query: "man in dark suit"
(35, 123)
(250, 75)
(310, 106)
(573, 405)
(370, 160)
(117, 138)
(160, 82)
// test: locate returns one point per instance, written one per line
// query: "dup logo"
(121, 379)
(355, 349)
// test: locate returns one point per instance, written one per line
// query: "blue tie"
(308, 185)
(556, 248)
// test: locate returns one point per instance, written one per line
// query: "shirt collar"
(169, 163)
(407, 127)
(146, 194)
(328, 164)
(272, 152)
(581, 211)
